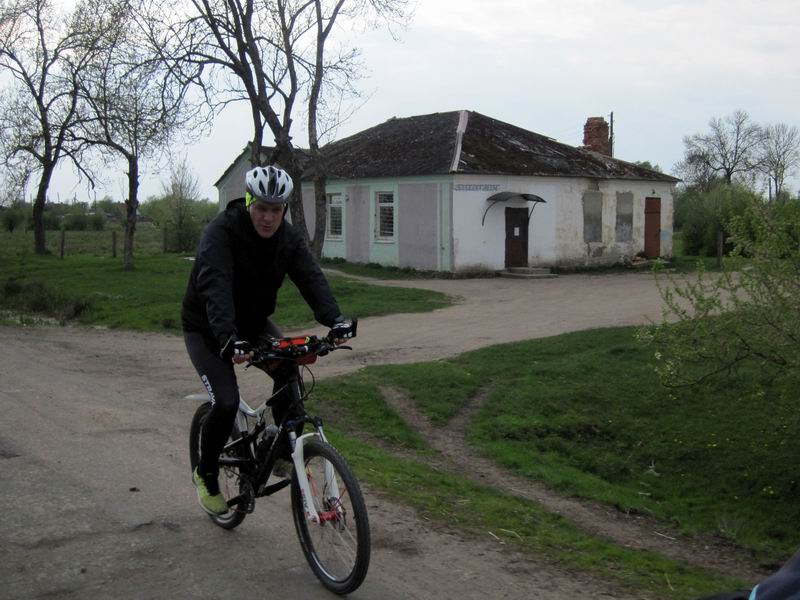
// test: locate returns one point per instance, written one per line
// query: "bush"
(76, 222)
(97, 221)
(13, 218)
(34, 296)
(702, 215)
(748, 315)
(51, 219)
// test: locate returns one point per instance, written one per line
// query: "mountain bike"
(328, 508)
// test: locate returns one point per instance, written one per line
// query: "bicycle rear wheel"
(338, 547)
(231, 482)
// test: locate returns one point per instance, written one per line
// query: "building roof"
(266, 151)
(462, 142)
(470, 143)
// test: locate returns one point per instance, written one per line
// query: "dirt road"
(95, 495)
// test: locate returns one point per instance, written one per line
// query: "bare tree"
(728, 150)
(13, 184)
(272, 54)
(134, 109)
(780, 156)
(44, 51)
(181, 192)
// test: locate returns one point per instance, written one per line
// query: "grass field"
(586, 414)
(147, 241)
(90, 287)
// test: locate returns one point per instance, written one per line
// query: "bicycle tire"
(346, 512)
(229, 477)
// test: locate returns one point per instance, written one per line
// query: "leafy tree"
(702, 216)
(750, 313)
(646, 164)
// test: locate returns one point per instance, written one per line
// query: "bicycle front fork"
(330, 485)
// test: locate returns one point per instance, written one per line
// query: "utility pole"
(611, 135)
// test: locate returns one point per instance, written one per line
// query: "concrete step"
(528, 273)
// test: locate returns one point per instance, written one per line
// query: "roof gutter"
(463, 118)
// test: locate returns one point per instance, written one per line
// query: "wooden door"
(652, 227)
(516, 237)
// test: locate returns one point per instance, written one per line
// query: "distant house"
(458, 190)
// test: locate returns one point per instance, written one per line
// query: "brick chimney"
(595, 135)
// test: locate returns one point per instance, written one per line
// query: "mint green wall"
(337, 248)
(383, 252)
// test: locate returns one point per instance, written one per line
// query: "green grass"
(376, 271)
(586, 414)
(497, 518)
(149, 297)
(689, 263)
(147, 241)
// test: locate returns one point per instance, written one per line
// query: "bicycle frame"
(244, 434)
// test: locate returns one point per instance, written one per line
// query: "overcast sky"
(664, 67)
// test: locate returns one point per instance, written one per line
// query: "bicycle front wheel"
(338, 547)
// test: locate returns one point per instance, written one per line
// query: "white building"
(460, 191)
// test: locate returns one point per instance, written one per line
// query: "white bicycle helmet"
(268, 184)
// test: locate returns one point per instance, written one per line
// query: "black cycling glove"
(343, 329)
(234, 347)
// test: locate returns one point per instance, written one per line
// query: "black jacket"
(236, 275)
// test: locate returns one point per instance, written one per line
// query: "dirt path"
(491, 311)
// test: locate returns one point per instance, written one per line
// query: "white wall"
(555, 237)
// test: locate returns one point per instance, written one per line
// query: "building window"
(334, 229)
(592, 216)
(624, 226)
(384, 215)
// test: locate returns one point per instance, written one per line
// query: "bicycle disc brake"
(248, 501)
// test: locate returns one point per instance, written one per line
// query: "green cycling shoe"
(213, 504)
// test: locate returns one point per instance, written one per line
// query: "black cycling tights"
(220, 380)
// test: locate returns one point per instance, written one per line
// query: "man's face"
(266, 218)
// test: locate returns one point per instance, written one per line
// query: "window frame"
(330, 204)
(381, 204)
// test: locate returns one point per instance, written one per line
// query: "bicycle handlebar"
(297, 348)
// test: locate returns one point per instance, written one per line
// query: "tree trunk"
(132, 205)
(320, 215)
(296, 205)
(39, 246)
(286, 156)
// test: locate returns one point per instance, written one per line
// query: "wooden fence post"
(63, 236)
(113, 244)
(165, 240)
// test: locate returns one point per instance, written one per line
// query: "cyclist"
(244, 255)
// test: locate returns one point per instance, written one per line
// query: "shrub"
(51, 219)
(97, 221)
(713, 325)
(34, 296)
(702, 215)
(13, 218)
(76, 222)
